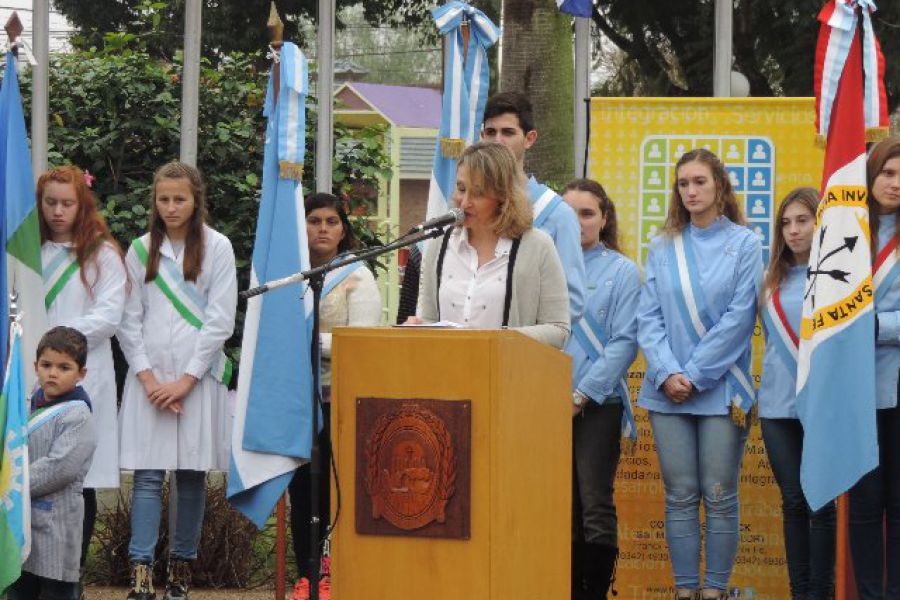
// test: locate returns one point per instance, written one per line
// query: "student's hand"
(148, 380)
(677, 388)
(169, 395)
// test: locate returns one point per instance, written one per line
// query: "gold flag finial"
(275, 27)
(14, 27)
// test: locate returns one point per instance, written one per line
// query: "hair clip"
(89, 179)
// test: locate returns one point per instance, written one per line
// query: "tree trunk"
(538, 60)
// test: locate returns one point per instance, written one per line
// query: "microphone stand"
(316, 279)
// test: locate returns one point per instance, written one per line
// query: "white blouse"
(470, 295)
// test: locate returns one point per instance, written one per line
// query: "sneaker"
(141, 582)
(325, 588)
(178, 579)
(301, 590)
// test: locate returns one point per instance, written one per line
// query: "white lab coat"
(153, 335)
(96, 314)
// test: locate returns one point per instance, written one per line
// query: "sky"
(60, 29)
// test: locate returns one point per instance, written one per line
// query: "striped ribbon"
(58, 272)
(290, 110)
(465, 92)
(776, 325)
(839, 21)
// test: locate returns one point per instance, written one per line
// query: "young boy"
(61, 442)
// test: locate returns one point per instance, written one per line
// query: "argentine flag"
(15, 503)
(576, 8)
(20, 263)
(465, 93)
(271, 436)
(836, 361)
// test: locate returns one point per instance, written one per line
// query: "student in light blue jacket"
(809, 537)
(695, 320)
(603, 345)
(875, 500)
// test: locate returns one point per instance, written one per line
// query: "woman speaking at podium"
(494, 270)
(695, 320)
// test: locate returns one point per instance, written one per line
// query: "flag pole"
(40, 38)
(275, 26)
(722, 56)
(582, 92)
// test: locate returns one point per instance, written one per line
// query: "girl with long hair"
(603, 346)
(875, 499)
(350, 297)
(695, 320)
(85, 286)
(809, 537)
(174, 415)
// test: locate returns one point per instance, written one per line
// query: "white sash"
(699, 321)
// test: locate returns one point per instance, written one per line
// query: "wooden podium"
(508, 449)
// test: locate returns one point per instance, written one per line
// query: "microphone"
(454, 217)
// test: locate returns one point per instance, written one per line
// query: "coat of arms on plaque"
(413, 467)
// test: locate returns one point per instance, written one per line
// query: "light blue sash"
(41, 417)
(593, 339)
(334, 278)
(692, 305)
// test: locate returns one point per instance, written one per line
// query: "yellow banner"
(768, 147)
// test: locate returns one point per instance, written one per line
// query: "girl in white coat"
(85, 287)
(174, 412)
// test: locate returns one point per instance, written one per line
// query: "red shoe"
(325, 588)
(301, 590)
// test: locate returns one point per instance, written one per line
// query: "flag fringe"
(876, 134)
(629, 445)
(452, 147)
(290, 170)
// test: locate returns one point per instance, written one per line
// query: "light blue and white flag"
(20, 254)
(15, 502)
(466, 83)
(271, 435)
(576, 8)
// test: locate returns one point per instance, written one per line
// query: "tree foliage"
(669, 45)
(228, 25)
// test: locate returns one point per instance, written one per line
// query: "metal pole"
(722, 55)
(582, 90)
(190, 81)
(40, 103)
(325, 67)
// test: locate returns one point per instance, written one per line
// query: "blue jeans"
(700, 455)
(874, 508)
(809, 537)
(146, 507)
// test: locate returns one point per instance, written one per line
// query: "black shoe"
(178, 579)
(599, 570)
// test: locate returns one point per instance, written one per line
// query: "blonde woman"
(495, 270)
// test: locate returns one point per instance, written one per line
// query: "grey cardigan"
(59, 454)
(539, 307)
